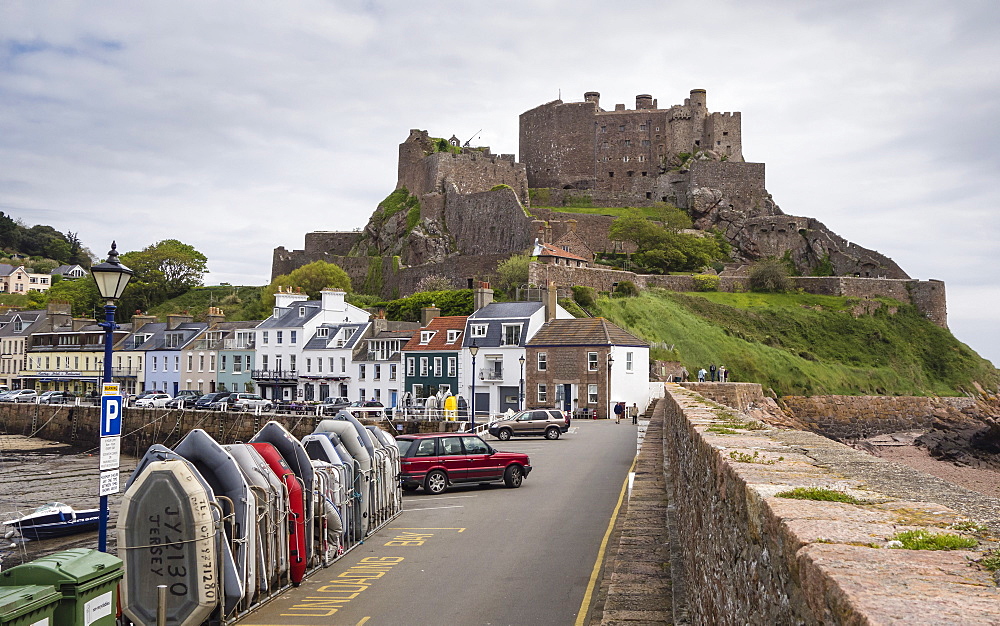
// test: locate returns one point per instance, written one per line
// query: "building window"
(361, 372)
(591, 361)
(302, 311)
(278, 336)
(621, 128)
(478, 330)
(628, 142)
(237, 364)
(201, 362)
(611, 174)
(223, 368)
(323, 332)
(309, 365)
(152, 369)
(376, 372)
(392, 371)
(319, 364)
(293, 335)
(543, 393)
(511, 334)
(437, 367)
(263, 337)
(625, 159)
(453, 335)
(591, 394)
(411, 366)
(263, 362)
(643, 127)
(543, 362)
(343, 365)
(177, 363)
(423, 366)
(452, 367)
(645, 142)
(426, 336)
(628, 361)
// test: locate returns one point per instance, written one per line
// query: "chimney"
(551, 297)
(284, 299)
(140, 320)
(643, 101)
(571, 224)
(215, 316)
(427, 314)
(333, 300)
(80, 322)
(173, 321)
(481, 296)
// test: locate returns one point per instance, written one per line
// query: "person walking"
(619, 409)
(701, 375)
(712, 370)
(634, 412)
(722, 373)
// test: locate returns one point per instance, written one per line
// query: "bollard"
(161, 605)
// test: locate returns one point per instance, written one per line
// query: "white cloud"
(237, 127)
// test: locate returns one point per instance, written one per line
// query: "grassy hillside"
(800, 344)
(238, 303)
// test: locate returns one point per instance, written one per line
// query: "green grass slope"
(238, 303)
(801, 344)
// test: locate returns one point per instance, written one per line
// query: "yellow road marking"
(461, 530)
(581, 616)
(364, 620)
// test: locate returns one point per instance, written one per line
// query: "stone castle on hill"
(458, 211)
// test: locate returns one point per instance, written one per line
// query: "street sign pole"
(111, 431)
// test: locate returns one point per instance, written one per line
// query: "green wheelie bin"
(86, 579)
(29, 605)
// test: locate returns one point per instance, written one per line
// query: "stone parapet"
(749, 557)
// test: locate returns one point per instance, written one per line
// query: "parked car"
(20, 395)
(223, 402)
(248, 402)
(367, 409)
(57, 397)
(206, 401)
(549, 423)
(185, 399)
(153, 400)
(4, 394)
(333, 404)
(436, 460)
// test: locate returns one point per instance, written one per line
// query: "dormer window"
(426, 336)
(323, 332)
(302, 311)
(277, 311)
(478, 330)
(453, 335)
(511, 334)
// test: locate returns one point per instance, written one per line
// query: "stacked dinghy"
(226, 528)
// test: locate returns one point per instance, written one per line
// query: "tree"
(10, 232)
(770, 276)
(513, 272)
(311, 279)
(163, 270)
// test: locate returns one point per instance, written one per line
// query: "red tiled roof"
(585, 331)
(550, 250)
(441, 326)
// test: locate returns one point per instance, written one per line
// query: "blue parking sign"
(111, 416)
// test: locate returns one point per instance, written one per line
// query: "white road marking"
(432, 508)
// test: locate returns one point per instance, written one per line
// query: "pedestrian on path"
(634, 412)
(619, 409)
(712, 370)
(723, 373)
(701, 375)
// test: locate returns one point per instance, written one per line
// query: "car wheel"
(268, 407)
(436, 482)
(504, 434)
(552, 433)
(513, 476)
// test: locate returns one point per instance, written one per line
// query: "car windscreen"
(404, 446)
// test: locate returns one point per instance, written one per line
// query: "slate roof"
(190, 330)
(323, 343)
(132, 341)
(290, 318)
(29, 319)
(439, 342)
(507, 310)
(495, 332)
(62, 270)
(586, 331)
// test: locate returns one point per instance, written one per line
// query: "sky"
(237, 126)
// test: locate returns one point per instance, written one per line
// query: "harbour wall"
(745, 556)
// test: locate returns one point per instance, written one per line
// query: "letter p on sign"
(111, 416)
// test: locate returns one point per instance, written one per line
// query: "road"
(480, 555)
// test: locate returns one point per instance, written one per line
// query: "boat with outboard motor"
(55, 519)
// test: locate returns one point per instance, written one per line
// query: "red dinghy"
(296, 516)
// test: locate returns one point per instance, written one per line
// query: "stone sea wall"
(749, 557)
(858, 417)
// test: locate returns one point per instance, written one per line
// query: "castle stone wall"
(742, 184)
(488, 222)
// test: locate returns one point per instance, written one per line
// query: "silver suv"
(248, 402)
(549, 423)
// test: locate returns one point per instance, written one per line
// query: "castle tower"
(643, 101)
(699, 110)
(593, 96)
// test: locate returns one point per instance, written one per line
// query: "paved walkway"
(640, 590)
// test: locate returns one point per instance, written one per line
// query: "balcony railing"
(206, 344)
(274, 374)
(490, 375)
(239, 344)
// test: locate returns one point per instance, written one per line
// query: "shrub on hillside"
(769, 276)
(626, 289)
(706, 282)
(584, 296)
(434, 282)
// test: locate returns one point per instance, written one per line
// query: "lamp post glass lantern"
(520, 397)
(473, 350)
(111, 277)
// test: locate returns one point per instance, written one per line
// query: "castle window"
(641, 157)
(718, 143)
(643, 127)
(645, 173)
(657, 135)
(725, 133)
(604, 129)
(630, 172)
(628, 142)
(649, 194)
(625, 158)
(611, 174)
(605, 144)
(622, 128)
(645, 142)
(657, 128)
(697, 142)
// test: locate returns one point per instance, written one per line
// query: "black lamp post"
(611, 360)
(474, 350)
(111, 278)
(520, 400)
